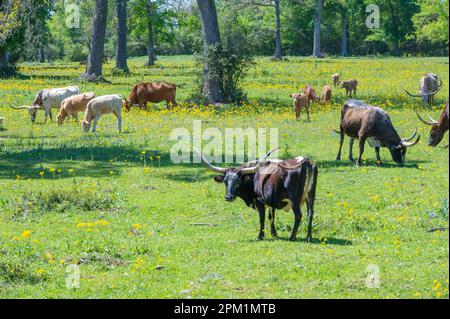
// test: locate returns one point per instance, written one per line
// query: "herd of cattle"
(272, 183)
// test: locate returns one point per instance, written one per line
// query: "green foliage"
(77, 53)
(432, 21)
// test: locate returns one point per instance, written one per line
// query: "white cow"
(101, 105)
(47, 99)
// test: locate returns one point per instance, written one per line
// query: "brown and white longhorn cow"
(373, 124)
(275, 184)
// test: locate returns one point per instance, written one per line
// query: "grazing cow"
(326, 94)
(72, 105)
(100, 106)
(143, 93)
(438, 128)
(429, 86)
(335, 78)
(48, 99)
(311, 93)
(350, 86)
(300, 102)
(275, 184)
(363, 122)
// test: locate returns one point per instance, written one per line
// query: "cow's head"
(32, 110)
(86, 126)
(398, 152)
(234, 178)
(126, 104)
(436, 133)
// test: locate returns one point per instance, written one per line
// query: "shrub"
(228, 62)
(77, 53)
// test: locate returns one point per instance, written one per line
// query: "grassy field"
(139, 226)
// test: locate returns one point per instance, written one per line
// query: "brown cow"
(72, 105)
(272, 184)
(311, 93)
(335, 78)
(326, 94)
(300, 101)
(438, 128)
(143, 93)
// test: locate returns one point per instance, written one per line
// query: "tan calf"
(326, 94)
(300, 101)
(311, 93)
(71, 106)
(350, 87)
(102, 105)
(335, 78)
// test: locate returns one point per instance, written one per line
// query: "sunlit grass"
(140, 237)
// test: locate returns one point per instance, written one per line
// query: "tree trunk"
(344, 45)
(121, 52)
(150, 45)
(211, 36)
(97, 46)
(317, 28)
(394, 17)
(41, 54)
(278, 46)
(3, 59)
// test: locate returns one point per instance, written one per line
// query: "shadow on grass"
(315, 241)
(368, 163)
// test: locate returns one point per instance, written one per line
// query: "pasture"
(139, 226)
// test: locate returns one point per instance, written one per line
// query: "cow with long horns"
(429, 86)
(373, 124)
(274, 184)
(48, 99)
(438, 128)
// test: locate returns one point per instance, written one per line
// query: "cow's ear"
(219, 178)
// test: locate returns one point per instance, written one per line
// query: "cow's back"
(155, 92)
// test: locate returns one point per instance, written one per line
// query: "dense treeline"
(271, 27)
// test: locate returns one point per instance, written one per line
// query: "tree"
(431, 22)
(211, 38)
(151, 43)
(121, 53)
(317, 29)
(275, 4)
(97, 46)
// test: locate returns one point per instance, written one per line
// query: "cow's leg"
(94, 127)
(338, 157)
(354, 91)
(297, 220)
(377, 154)
(119, 123)
(307, 112)
(350, 149)
(310, 205)
(273, 230)
(46, 115)
(262, 221)
(362, 142)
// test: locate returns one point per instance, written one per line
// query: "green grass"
(119, 208)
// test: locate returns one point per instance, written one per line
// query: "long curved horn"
(211, 167)
(249, 170)
(268, 154)
(434, 121)
(408, 144)
(410, 138)
(422, 120)
(18, 107)
(425, 94)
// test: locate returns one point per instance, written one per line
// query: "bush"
(228, 62)
(77, 53)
